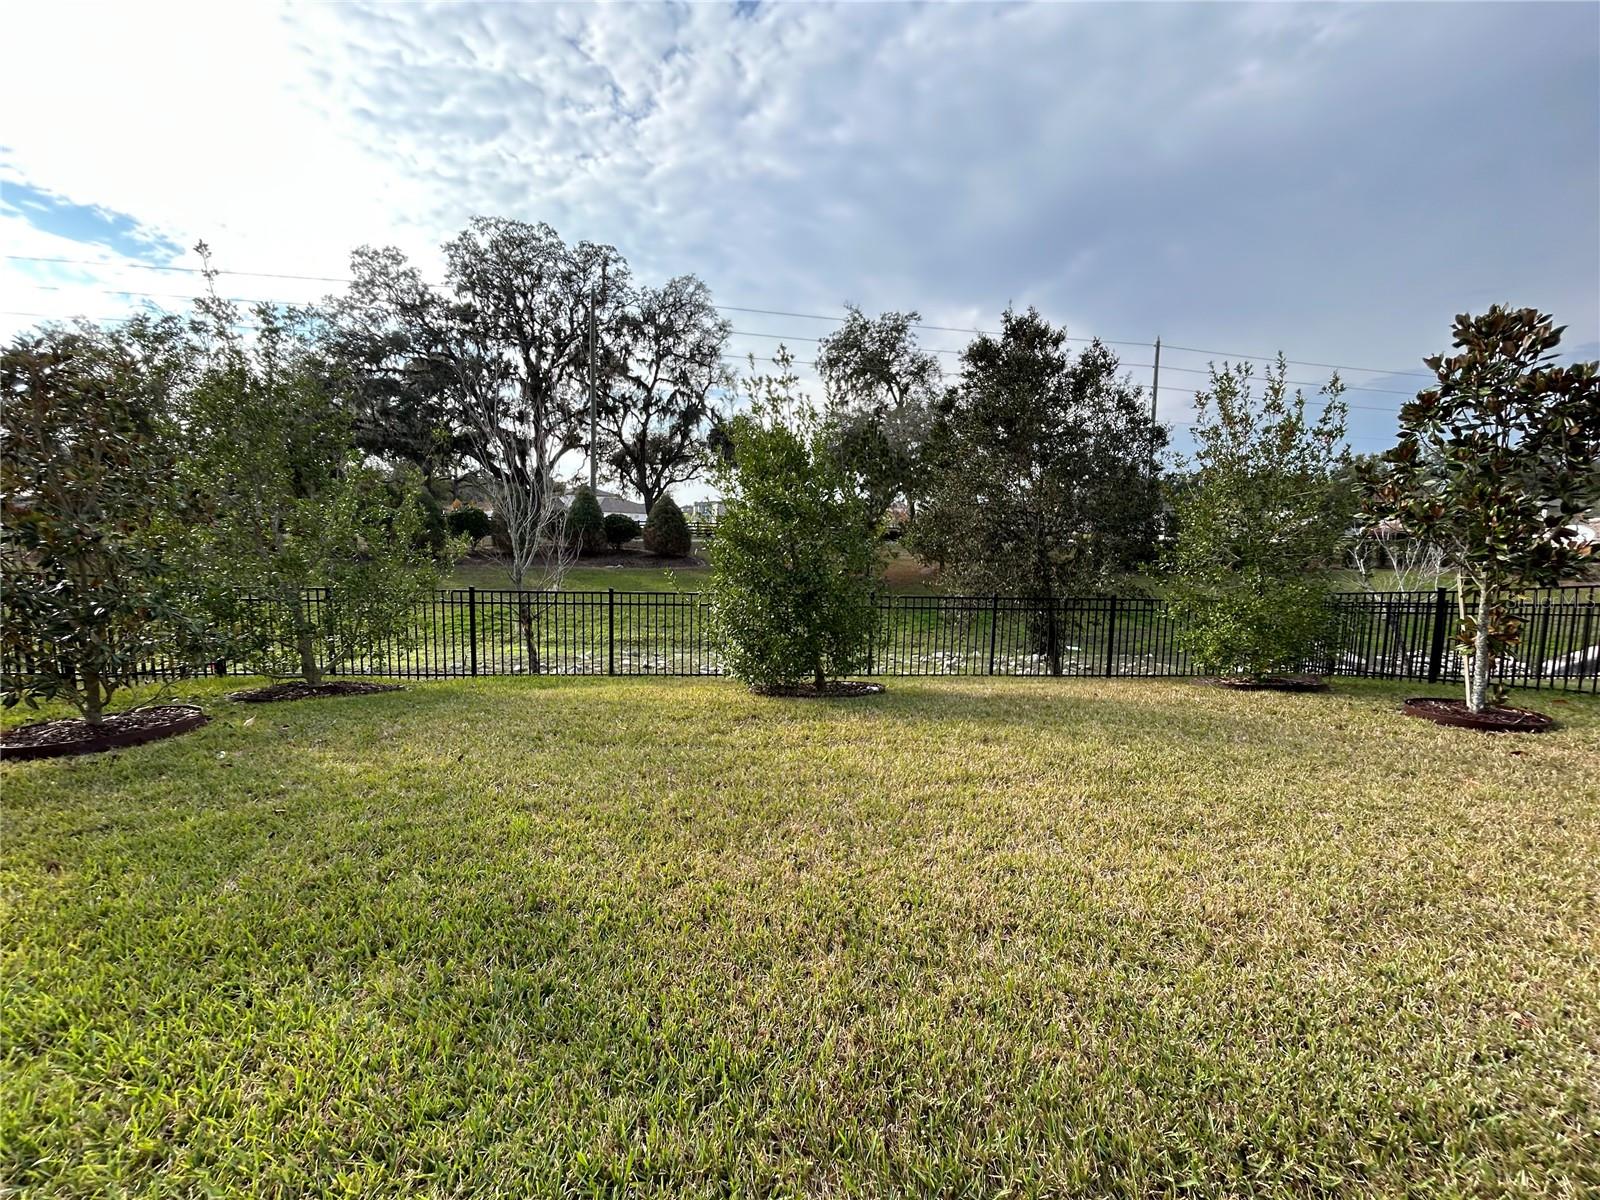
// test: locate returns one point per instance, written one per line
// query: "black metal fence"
(1395, 635)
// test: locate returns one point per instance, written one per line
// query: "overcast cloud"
(1334, 181)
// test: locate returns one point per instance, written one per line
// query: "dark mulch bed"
(1494, 719)
(307, 691)
(53, 739)
(834, 689)
(1267, 683)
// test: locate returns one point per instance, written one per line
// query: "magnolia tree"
(1258, 523)
(86, 482)
(305, 551)
(794, 559)
(1493, 466)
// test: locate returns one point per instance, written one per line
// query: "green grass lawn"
(528, 937)
(902, 574)
(481, 573)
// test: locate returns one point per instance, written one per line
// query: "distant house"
(610, 503)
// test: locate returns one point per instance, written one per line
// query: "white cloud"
(1326, 179)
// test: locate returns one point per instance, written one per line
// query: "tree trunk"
(822, 680)
(306, 644)
(1478, 665)
(530, 643)
(93, 699)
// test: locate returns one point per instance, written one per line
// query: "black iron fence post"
(611, 631)
(872, 638)
(1111, 637)
(1543, 647)
(472, 625)
(1441, 618)
(994, 628)
(1583, 644)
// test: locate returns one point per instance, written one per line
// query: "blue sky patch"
(91, 224)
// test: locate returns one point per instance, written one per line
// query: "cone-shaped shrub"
(665, 531)
(586, 524)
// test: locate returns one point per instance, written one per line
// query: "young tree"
(881, 391)
(308, 554)
(1258, 524)
(1038, 478)
(663, 361)
(795, 556)
(91, 591)
(665, 530)
(1493, 466)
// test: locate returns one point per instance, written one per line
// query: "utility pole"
(1155, 389)
(1155, 381)
(594, 408)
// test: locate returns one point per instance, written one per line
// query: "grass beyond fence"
(1398, 635)
(607, 937)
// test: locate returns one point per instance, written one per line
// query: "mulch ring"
(834, 689)
(1494, 719)
(54, 739)
(296, 690)
(1266, 683)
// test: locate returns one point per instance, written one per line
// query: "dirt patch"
(308, 691)
(834, 689)
(1494, 719)
(1266, 683)
(54, 739)
(640, 559)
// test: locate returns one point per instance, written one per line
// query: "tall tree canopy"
(510, 331)
(663, 361)
(1039, 467)
(881, 389)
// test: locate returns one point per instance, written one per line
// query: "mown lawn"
(971, 938)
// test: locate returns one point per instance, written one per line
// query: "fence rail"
(1395, 635)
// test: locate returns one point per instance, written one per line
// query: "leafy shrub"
(90, 591)
(621, 529)
(586, 526)
(471, 523)
(795, 556)
(433, 529)
(296, 520)
(665, 530)
(1258, 522)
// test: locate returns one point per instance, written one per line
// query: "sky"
(1332, 181)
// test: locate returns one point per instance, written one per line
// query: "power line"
(728, 308)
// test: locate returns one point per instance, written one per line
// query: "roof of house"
(610, 502)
